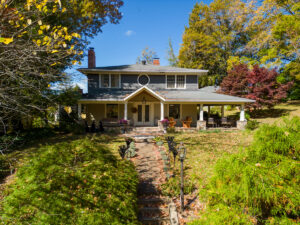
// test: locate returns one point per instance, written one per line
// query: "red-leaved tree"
(259, 84)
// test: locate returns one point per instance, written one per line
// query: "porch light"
(144, 101)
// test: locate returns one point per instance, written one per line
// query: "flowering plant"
(123, 121)
(165, 121)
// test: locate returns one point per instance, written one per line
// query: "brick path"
(153, 207)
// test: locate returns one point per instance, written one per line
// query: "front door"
(143, 115)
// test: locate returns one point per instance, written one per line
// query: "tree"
(39, 39)
(259, 84)
(215, 33)
(147, 55)
(264, 88)
(173, 60)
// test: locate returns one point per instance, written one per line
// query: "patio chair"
(211, 122)
(225, 122)
(187, 123)
(172, 122)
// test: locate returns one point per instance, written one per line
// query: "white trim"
(242, 113)
(201, 117)
(143, 74)
(175, 75)
(140, 90)
(162, 109)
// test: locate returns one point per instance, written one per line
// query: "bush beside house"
(80, 182)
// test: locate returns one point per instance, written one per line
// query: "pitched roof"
(197, 96)
(138, 68)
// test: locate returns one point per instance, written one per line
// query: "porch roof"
(189, 96)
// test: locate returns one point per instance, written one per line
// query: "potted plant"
(123, 124)
(165, 123)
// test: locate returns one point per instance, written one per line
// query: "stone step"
(155, 220)
(150, 200)
(154, 209)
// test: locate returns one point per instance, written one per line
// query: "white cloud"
(129, 33)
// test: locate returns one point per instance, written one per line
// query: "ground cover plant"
(78, 182)
(260, 183)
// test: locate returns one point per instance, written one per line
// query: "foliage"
(38, 41)
(221, 214)
(263, 180)
(215, 33)
(252, 124)
(171, 130)
(173, 60)
(259, 84)
(147, 55)
(81, 182)
(172, 186)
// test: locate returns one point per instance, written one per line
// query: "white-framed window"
(175, 81)
(109, 81)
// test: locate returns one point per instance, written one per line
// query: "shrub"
(252, 125)
(73, 183)
(172, 186)
(264, 179)
(222, 214)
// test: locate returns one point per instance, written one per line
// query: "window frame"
(166, 80)
(109, 82)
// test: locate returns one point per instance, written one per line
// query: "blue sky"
(145, 23)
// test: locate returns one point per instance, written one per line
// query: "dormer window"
(175, 81)
(109, 80)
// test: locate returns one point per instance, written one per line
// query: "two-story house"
(146, 94)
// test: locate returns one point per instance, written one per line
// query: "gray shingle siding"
(129, 82)
(93, 83)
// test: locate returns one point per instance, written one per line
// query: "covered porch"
(146, 108)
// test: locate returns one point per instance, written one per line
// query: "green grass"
(204, 149)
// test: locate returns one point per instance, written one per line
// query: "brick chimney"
(156, 62)
(91, 58)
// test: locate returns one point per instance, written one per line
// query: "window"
(174, 111)
(112, 111)
(114, 80)
(176, 81)
(105, 80)
(171, 81)
(143, 80)
(109, 80)
(180, 81)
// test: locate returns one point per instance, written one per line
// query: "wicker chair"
(172, 122)
(187, 123)
(211, 122)
(225, 122)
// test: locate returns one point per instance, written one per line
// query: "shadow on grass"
(270, 113)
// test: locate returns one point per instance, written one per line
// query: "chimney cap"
(144, 62)
(91, 48)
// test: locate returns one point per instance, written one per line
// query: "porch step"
(146, 129)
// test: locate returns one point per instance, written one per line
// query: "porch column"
(162, 113)
(222, 111)
(201, 112)
(208, 111)
(79, 111)
(125, 110)
(242, 114)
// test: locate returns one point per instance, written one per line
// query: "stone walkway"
(153, 207)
